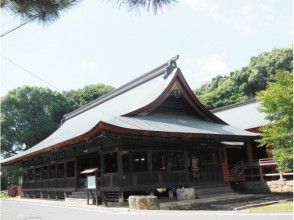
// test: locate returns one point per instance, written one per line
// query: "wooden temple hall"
(150, 133)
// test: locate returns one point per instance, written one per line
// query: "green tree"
(80, 97)
(10, 175)
(46, 11)
(277, 103)
(29, 115)
(243, 84)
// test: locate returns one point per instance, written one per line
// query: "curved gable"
(184, 101)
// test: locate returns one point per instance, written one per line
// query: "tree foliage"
(10, 175)
(80, 97)
(243, 84)
(277, 103)
(47, 11)
(28, 115)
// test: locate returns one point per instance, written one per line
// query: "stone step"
(78, 201)
(78, 196)
(209, 185)
(79, 193)
(212, 190)
(111, 196)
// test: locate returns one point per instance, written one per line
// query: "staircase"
(237, 170)
(111, 197)
(209, 189)
(80, 197)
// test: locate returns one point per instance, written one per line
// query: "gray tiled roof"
(123, 100)
(128, 98)
(176, 124)
(243, 115)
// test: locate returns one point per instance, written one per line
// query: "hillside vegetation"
(243, 84)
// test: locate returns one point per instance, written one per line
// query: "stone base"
(78, 201)
(185, 193)
(274, 186)
(144, 202)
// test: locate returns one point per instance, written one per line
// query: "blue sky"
(97, 42)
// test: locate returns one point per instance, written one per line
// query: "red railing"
(255, 169)
(252, 170)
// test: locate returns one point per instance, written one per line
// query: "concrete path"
(24, 209)
(226, 201)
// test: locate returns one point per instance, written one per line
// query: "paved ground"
(57, 210)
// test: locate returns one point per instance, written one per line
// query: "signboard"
(91, 182)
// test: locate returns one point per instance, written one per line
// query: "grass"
(3, 195)
(278, 207)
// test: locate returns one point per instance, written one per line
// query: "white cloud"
(89, 64)
(247, 18)
(201, 70)
(252, 16)
(204, 6)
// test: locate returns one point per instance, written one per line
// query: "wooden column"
(221, 160)
(102, 168)
(186, 166)
(120, 174)
(119, 162)
(249, 151)
(260, 173)
(56, 171)
(76, 172)
(41, 173)
(34, 175)
(225, 166)
(65, 169)
(149, 156)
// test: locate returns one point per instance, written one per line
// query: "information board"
(91, 182)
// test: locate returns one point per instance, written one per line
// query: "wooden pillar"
(76, 172)
(249, 151)
(225, 166)
(221, 160)
(41, 173)
(260, 173)
(120, 174)
(186, 166)
(149, 157)
(56, 170)
(34, 174)
(65, 169)
(102, 168)
(119, 163)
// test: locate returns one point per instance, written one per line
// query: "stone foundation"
(274, 186)
(144, 202)
(185, 193)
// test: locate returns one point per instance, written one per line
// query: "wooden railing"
(261, 168)
(110, 180)
(208, 172)
(154, 178)
(68, 182)
(145, 178)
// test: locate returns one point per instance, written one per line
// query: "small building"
(150, 133)
(247, 116)
(252, 119)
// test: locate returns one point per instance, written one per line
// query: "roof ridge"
(233, 105)
(167, 67)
